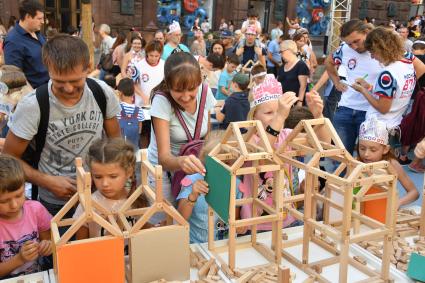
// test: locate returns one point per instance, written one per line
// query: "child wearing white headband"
(373, 147)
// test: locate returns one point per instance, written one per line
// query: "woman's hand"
(363, 83)
(190, 164)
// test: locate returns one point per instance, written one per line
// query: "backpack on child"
(194, 144)
(129, 124)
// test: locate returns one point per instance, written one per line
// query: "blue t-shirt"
(224, 81)
(274, 49)
(168, 50)
(198, 221)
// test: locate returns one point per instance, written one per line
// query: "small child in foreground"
(191, 201)
(111, 163)
(24, 224)
(373, 146)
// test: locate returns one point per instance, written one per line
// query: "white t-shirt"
(150, 77)
(112, 205)
(396, 82)
(161, 108)
(357, 65)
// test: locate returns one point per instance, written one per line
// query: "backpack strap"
(98, 94)
(42, 96)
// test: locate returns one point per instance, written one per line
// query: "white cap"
(175, 26)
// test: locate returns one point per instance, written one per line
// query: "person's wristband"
(191, 201)
(272, 131)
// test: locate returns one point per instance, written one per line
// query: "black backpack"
(33, 152)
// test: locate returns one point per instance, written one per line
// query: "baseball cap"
(241, 79)
(226, 33)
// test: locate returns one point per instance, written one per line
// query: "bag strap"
(98, 94)
(199, 119)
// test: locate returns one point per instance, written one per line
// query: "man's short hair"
(105, 28)
(126, 87)
(64, 53)
(29, 7)
(233, 59)
(216, 60)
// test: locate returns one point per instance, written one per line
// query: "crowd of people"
(164, 95)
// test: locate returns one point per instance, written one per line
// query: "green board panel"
(416, 267)
(218, 179)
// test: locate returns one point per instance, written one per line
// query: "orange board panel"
(95, 260)
(375, 209)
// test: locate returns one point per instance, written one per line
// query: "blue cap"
(226, 33)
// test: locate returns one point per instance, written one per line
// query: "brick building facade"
(142, 14)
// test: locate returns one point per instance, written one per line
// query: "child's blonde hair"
(12, 176)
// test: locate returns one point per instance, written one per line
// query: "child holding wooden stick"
(373, 146)
(191, 201)
(24, 224)
(112, 163)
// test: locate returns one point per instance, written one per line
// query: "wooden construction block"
(360, 259)
(93, 260)
(154, 249)
(203, 271)
(284, 275)
(246, 277)
(415, 269)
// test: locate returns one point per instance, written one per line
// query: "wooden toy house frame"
(169, 245)
(63, 248)
(303, 142)
(247, 158)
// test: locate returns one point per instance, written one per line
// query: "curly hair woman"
(393, 89)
